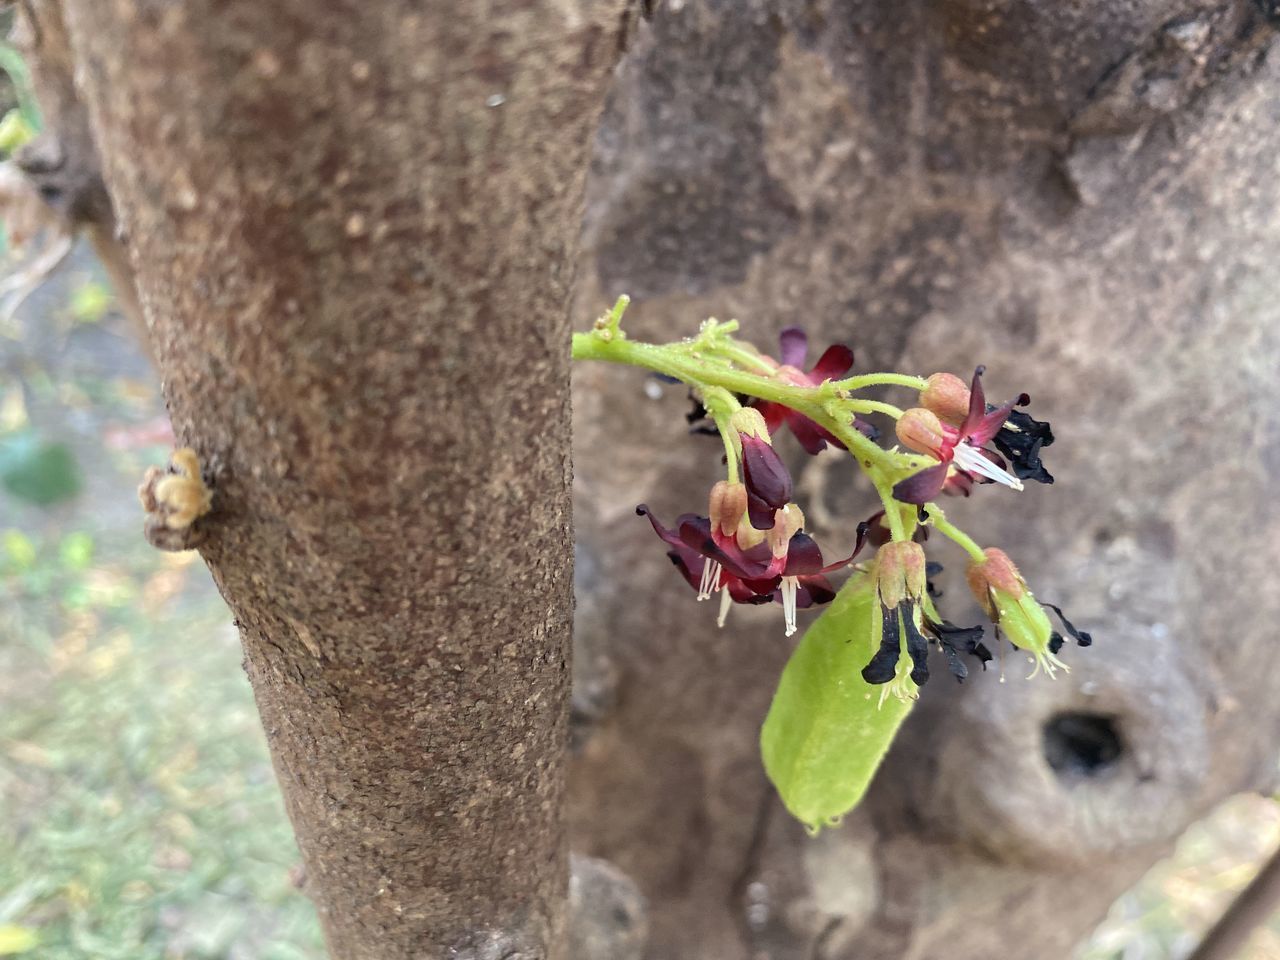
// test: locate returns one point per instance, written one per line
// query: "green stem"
(746, 359)
(722, 404)
(874, 465)
(865, 380)
(690, 368)
(939, 521)
(816, 403)
(874, 406)
(892, 512)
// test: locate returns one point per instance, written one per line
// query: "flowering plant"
(859, 668)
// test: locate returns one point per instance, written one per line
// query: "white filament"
(710, 581)
(725, 602)
(970, 459)
(789, 585)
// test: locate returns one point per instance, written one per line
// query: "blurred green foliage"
(91, 300)
(20, 93)
(140, 814)
(36, 470)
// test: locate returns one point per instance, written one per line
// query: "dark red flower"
(1019, 440)
(834, 363)
(724, 553)
(961, 448)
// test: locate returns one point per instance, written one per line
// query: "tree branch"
(1250, 910)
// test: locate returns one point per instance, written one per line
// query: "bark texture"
(1081, 196)
(352, 229)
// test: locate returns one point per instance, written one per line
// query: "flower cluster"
(752, 546)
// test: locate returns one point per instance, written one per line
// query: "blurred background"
(139, 815)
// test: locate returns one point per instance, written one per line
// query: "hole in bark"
(1082, 744)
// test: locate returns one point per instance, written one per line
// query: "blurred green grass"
(139, 812)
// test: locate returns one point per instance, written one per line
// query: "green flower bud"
(1003, 593)
(748, 421)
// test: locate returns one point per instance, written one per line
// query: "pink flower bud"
(996, 573)
(900, 572)
(921, 430)
(946, 395)
(728, 506)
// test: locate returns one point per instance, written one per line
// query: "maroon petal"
(868, 430)
(689, 563)
(959, 484)
(775, 415)
(742, 592)
(833, 364)
(864, 531)
(695, 534)
(920, 488)
(807, 432)
(994, 458)
(980, 426)
(793, 347)
(876, 530)
(765, 475)
(814, 590)
(762, 586)
(990, 425)
(667, 535)
(759, 513)
(977, 404)
(803, 556)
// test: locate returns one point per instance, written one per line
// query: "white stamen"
(972, 460)
(710, 581)
(789, 585)
(726, 601)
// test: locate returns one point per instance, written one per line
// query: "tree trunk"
(1081, 196)
(353, 231)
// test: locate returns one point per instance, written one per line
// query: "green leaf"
(13, 65)
(827, 730)
(19, 550)
(90, 302)
(40, 473)
(14, 939)
(76, 550)
(14, 131)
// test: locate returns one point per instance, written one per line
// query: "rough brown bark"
(352, 229)
(1080, 196)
